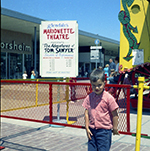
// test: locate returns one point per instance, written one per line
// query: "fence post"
(36, 102)
(67, 99)
(139, 112)
(128, 109)
(50, 104)
(58, 99)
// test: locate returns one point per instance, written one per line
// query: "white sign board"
(96, 47)
(59, 49)
(138, 56)
(94, 55)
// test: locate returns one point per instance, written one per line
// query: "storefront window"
(15, 66)
(3, 65)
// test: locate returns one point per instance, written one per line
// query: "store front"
(17, 46)
(16, 54)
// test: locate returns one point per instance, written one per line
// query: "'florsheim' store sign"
(13, 46)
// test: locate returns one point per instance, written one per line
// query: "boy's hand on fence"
(89, 133)
(115, 132)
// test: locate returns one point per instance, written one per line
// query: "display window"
(13, 65)
(3, 65)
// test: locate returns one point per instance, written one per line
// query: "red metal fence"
(58, 103)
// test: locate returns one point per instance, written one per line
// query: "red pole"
(128, 109)
(50, 104)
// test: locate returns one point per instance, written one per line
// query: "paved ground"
(19, 135)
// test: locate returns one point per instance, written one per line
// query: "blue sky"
(94, 16)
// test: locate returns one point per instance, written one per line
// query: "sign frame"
(59, 49)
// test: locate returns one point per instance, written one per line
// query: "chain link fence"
(57, 102)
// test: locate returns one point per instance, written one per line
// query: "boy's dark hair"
(97, 74)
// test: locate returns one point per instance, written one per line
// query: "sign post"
(97, 42)
(59, 51)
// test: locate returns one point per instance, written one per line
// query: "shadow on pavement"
(20, 147)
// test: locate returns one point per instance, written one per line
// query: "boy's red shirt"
(99, 108)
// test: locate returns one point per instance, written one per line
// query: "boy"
(24, 76)
(101, 116)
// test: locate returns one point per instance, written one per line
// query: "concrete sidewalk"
(17, 135)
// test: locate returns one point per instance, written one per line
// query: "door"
(15, 66)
